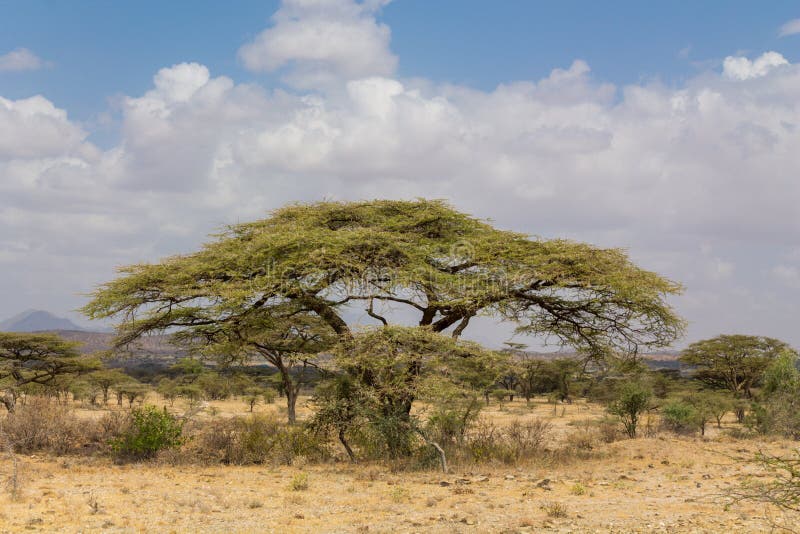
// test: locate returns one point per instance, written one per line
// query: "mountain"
(36, 321)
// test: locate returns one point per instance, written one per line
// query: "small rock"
(480, 479)
(444, 483)
(510, 477)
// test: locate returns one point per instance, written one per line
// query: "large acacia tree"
(322, 260)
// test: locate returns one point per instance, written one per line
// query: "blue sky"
(99, 49)
(668, 129)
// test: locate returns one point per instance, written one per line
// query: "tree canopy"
(36, 359)
(733, 362)
(319, 260)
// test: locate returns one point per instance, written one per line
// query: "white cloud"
(741, 68)
(658, 169)
(34, 127)
(20, 59)
(791, 27)
(323, 41)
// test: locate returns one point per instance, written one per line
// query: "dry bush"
(609, 431)
(517, 442)
(584, 439)
(257, 439)
(45, 425)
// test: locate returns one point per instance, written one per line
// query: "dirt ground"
(657, 484)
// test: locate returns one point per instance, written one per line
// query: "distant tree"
(132, 391)
(508, 381)
(733, 362)
(563, 373)
(167, 388)
(188, 370)
(530, 372)
(105, 379)
(36, 359)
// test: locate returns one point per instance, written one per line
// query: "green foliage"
(37, 359)
(105, 379)
(679, 416)
(299, 482)
(633, 399)
(214, 386)
(311, 261)
(777, 410)
(150, 430)
(733, 362)
(782, 375)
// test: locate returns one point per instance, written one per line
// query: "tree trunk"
(346, 445)
(9, 400)
(291, 403)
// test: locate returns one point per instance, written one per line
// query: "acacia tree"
(733, 362)
(287, 339)
(36, 359)
(321, 260)
(385, 369)
(105, 379)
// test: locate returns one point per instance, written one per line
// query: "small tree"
(632, 401)
(105, 379)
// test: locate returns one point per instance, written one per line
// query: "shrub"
(150, 430)
(259, 439)
(299, 482)
(680, 417)
(44, 425)
(632, 401)
(519, 441)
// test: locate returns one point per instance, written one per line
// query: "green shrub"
(299, 482)
(633, 399)
(680, 417)
(150, 431)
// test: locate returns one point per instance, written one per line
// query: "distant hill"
(156, 347)
(36, 321)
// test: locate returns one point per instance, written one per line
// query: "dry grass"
(657, 484)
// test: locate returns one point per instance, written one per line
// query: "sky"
(131, 131)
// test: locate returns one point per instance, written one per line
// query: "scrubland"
(581, 477)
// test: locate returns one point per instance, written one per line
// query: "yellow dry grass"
(657, 484)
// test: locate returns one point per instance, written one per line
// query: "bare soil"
(663, 483)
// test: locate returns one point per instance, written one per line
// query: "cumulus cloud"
(660, 170)
(791, 27)
(322, 41)
(741, 68)
(20, 59)
(34, 127)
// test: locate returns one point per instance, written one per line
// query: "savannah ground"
(663, 483)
